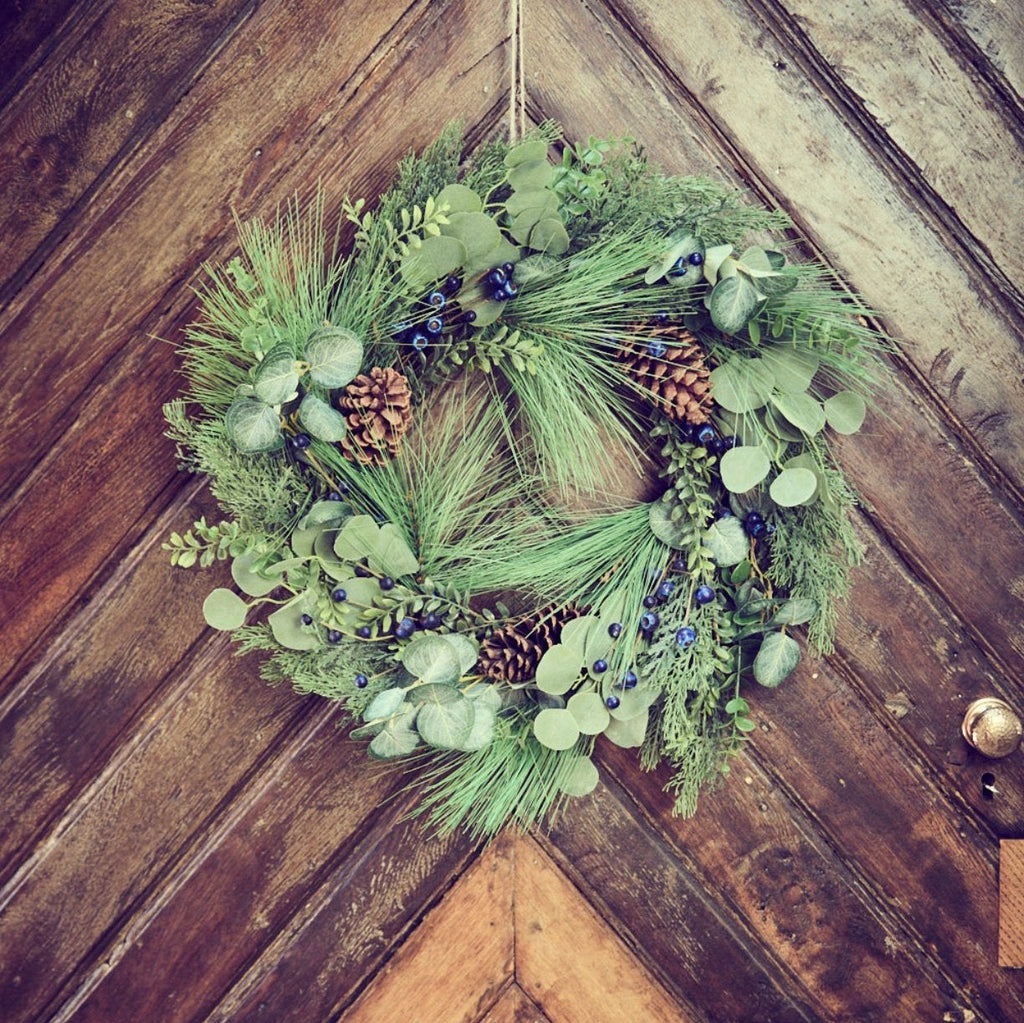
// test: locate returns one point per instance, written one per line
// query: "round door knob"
(992, 728)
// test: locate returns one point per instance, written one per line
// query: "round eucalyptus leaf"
(792, 368)
(733, 302)
(479, 235)
(434, 692)
(743, 468)
(276, 376)
(795, 611)
(778, 426)
(286, 625)
(525, 222)
(549, 235)
(253, 426)
(396, 738)
(576, 633)
(674, 533)
(384, 705)
(320, 420)
(582, 779)
(589, 712)
(803, 411)
(466, 652)
(559, 669)
(755, 258)
(845, 412)
(225, 610)
(445, 725)
(531, 175)
(357, 539)
(460, 199)
(727, 541)
(485, 723)
(714, 257)
(249, 580)
(391, 554)
(556, 729)
(776, 284)
(792, 487)
(334, 356)
(628, 733)
(777, 657)
(437, 257)
(486, 695)
(741, 384)
(542, 199)
(431, 659)
(526, 152)
(325, 513)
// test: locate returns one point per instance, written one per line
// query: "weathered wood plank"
(58, 727)
(569, 960)
(514, 1007)
(471, 932)
(89, 108)
(683, 934)
(103, 857)
(217, 914)
(98, 443)
(316, 964)
(961, 153)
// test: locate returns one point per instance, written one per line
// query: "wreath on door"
(528, 453)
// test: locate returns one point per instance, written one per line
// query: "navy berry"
(386, 582)
(431, 620)
(649, 620)
(364, 632)
(306, 619)
(405, 628)
(333, 636)
(686, 637)
(629, 680)
(615, 630)
(665, 589)
(650, 600)
(704, 595)
(338, 595)
(696, 258)
(612, 702)
(361, 681)
(600, 665)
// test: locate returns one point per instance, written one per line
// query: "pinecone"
(511, 654)
(377, 408)
(669, 362)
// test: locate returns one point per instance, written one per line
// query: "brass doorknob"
(992, 728)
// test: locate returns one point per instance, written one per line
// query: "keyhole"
(988, 786)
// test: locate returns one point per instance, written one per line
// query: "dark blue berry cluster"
(707, 437)
(438, 314)
(682, 266)
(499, 284)
(756, 526)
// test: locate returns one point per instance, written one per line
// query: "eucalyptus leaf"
(321, 420)
(743, 468)
(776, 659)
(742, 384)
(431, 659)
(325, 513)
(250, 581)
(795, 611)
(253, 426)
(628, 733)
(756, 259)
(589, 712)
(575, 633)
(845, 412)
(391, 554)
(276, 376)
(225, 610)
(531, 174)
(384, 704)
(542, 199)
(286, 625)
(549, 235)
(357, 539)
(479, 234)
(556, 729)
(727, 541)
(792, 487)
(714, 257)
(466, 652)
(793, 368)
(803, 411)
(445, 725)
(334, 356)
(733, 302)
(526, 152)
(436, 257)
(481, 733)
(583, 778)
(460, 199)
(396, 738)
(675, 533)
(559, 669)
(775, 284)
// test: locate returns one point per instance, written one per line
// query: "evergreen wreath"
(409, 421)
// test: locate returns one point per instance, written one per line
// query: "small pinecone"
(377, 407)
(511, 653)
(678, 378)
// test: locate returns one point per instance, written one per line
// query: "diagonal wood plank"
(514, 1006)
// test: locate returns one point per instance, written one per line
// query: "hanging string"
(517, 74)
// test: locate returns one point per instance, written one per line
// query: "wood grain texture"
(567, 958)
(1011, 903)
(178, 842)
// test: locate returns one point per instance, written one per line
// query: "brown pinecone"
(679, 380)
(377, 407)
(511, 653)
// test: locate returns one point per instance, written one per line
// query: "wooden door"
(180, 842)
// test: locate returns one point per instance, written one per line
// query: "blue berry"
(333, 636)
(723, 513)
(386, 582)
(301, 440)
(364, 632)
(452, 284)
(437, 299)
(338, 595)
(753, 518)
(419, 340)
(496, 277)
(757, 530)
(686, 637)
(716, 446)
(362, 571)
(600, 665)
(431, 620)
(508, 268)
(706, 434)
(469, 316)
(649, 620)
(656, 349)
(306, 619)
(362, 681)
(666, 589)
(629, 680)
(510, 290)
(679, 268)
(728, 443)
(499, 294)
(650, 600)
(612, 702)
(679, 565)
(405, 628)
(434, 325)
(615, 630)
(704, 595)
(696, 258)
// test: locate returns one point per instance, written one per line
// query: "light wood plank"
(1011, 903)
(457, 959)
(567, 958)
(514, 1006)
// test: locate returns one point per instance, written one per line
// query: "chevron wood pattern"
(179, 842)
